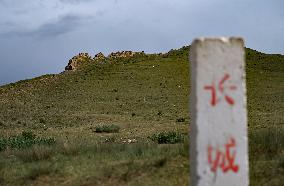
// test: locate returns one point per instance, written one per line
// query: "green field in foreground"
(126, 122)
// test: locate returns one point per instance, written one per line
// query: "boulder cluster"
(74, 63)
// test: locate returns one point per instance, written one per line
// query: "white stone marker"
(219, 149)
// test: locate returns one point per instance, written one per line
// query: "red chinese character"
(221, 88)
(223, 160)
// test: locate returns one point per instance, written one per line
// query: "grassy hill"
(57, 129)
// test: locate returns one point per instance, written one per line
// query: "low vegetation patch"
(36, 172)
(107, 128)
(24, 140)
(167, 137)
(269, 141)
(266, 152)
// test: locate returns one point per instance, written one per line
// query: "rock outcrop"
(77, 60)
(74, 63)
(123, 54)
(99, 56)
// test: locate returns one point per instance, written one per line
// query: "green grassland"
(126, 122)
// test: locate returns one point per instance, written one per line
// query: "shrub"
(2, 144)
(167, 137)
(28, 135)
(181, 120)
(24, 140)
(107, 128)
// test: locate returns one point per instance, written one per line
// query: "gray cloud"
(7, 2)
(61, 25)
(75, 1)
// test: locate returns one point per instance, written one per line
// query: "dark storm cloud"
(63, 25)
(54, 28)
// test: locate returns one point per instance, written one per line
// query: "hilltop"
(139, 84)
(144, 95)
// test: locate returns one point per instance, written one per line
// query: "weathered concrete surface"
(219, 150)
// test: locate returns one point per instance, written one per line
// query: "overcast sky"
(40, 36)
